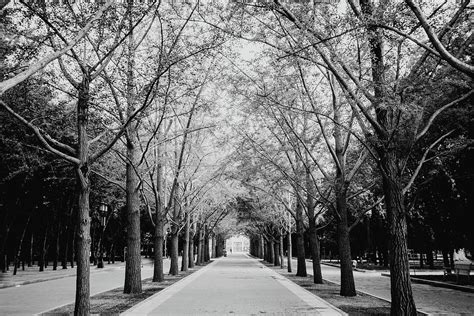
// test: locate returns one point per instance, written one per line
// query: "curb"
(462, 288)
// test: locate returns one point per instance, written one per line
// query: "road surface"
(237, 285)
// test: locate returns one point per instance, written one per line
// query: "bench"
(463, 268)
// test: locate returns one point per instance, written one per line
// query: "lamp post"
(103, 217)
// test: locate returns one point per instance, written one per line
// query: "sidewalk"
(428, 299)
(41, 296)
(238, 285)
(32, 274)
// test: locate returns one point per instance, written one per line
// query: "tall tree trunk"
(282, 261)
(387, 117)
(315, 255)
(158, 244)
(199, 247)
(42, 264)
(133, 283)
(3, 253)
(191, 249)
(206, 245)
(213, 246)
(174, 255)
(401, 290)
(73, 246)
(271, 251)
(30, 251)
(158, 275)
(276, 254)
(300, 252)
(20, 243)
(313, 233)
(262, 247)
(56, 246)
(347, 276)
(82, 303)
(185, 256)
(289, 251)
(64, 247)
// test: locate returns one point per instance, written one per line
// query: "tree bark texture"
(347, 276)
(83, 223)
(300, 252)
(276, 254)
(174, 255)
(158, 244)
(185, 257)
(400, 283)
(133, 282)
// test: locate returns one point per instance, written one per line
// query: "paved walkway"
(428, 299)
(236, 285)
(39, 297)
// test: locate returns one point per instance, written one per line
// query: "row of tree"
(112, 145)
(338, 114)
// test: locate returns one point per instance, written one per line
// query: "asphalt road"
(236, 285)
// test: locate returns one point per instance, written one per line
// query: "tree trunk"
(429, 258)
(133, 283)
(191, 251)
(20, 243)
(401, 290)
(174, 255)
(199, 247)
(56, 248)
(185, 257)
(73, 246)
(282, 261)
(3, 253)
(213, 246)
(313, 233)
(65, 244)
(41, 262)
(82, 303)
(276, 254)
(289, 252)
(315, 255)
(344, 244)
(158, 244)
(206, 246)
(30, 251)
(301, 258)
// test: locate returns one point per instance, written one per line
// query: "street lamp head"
(103, 213)
(102, 209)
